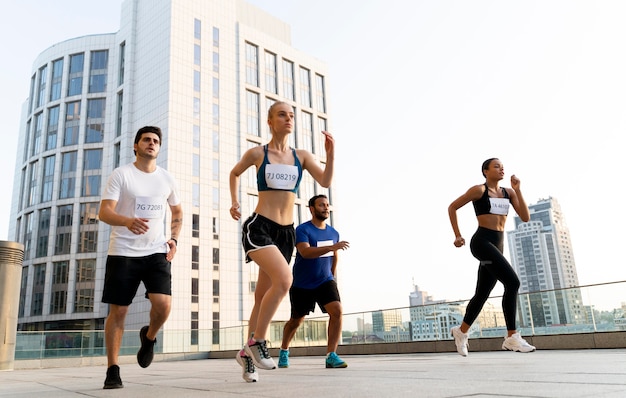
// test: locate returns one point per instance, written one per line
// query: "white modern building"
(541, 252)
(205, 71)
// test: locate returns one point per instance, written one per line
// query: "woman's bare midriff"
(277, 206)
(494, 222)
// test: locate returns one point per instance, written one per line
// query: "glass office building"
(205, 71)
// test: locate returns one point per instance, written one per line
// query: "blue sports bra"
(279, 177)
(487, 205)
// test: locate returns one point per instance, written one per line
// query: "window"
(27, 141)
(195, 257)
(194, 290)
(120, 79)
(53, 128)
(37, 134)
(270, 73)
(83, 300)
(216, 114)
(58, 299)
(68, 175)
(305, 87)
(195, 195)
(48, 179)
(320, 91)
(32, 93)
(216, 62)
(98, 71)
(64, 229)
(194, 327)
(195, 225)
(92, 163)
(118, 118)
(33, 184)
(216, 141)
(196, 108)
(215, 170)
(195, 165)
(39, 284)
(23, 286)
(75, 83)
(216, 255)
(92, 159)
(216, 198)
(22, 189)
(216, 228)
(288, 80)
(72, 123)
(196, 136)
(116, 155)
(88, 227)
(197, 55)
(197, 29)
(307, 131)
(196, 81)
(252, 114)
(216, 87)
(216, 37)
(57, 79)
(41, 93)
(43, 232)
(252, 64)
(322, 125)
(95, 120)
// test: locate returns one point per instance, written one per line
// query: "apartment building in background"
(542, 254)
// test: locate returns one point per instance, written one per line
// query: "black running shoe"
(113, 379)
(146, 352)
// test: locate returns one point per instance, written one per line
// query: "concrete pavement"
(544, 373)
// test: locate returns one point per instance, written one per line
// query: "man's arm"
(177, 221)
(307, 251)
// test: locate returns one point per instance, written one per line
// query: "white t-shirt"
(142, 195)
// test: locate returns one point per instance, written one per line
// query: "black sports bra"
(487, 205)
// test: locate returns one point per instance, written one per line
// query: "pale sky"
(420, 93)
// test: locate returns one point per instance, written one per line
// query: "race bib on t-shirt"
(147, 207)
(323, 243)
(499, 206)
(281, 176)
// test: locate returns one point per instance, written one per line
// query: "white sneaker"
(259, 354)
(517, 343)
(460, 339)
(249, 374)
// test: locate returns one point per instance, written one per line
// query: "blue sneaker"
(333, 361)
(283, 358)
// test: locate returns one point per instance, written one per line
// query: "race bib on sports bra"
(499, 206)
(281, 176)
(147, 207)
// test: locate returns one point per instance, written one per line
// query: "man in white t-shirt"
(134, 204)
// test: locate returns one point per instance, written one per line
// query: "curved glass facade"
(68, 132)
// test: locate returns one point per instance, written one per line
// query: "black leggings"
(487, 246)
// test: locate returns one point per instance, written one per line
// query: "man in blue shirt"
(314, 273)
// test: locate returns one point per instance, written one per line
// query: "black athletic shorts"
(123, 275)
(259, 232)
(303, 300)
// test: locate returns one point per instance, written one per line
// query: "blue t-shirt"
(309, 273)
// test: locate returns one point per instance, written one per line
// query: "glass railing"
(584, 309)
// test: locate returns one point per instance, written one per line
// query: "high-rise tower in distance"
(542, 254)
